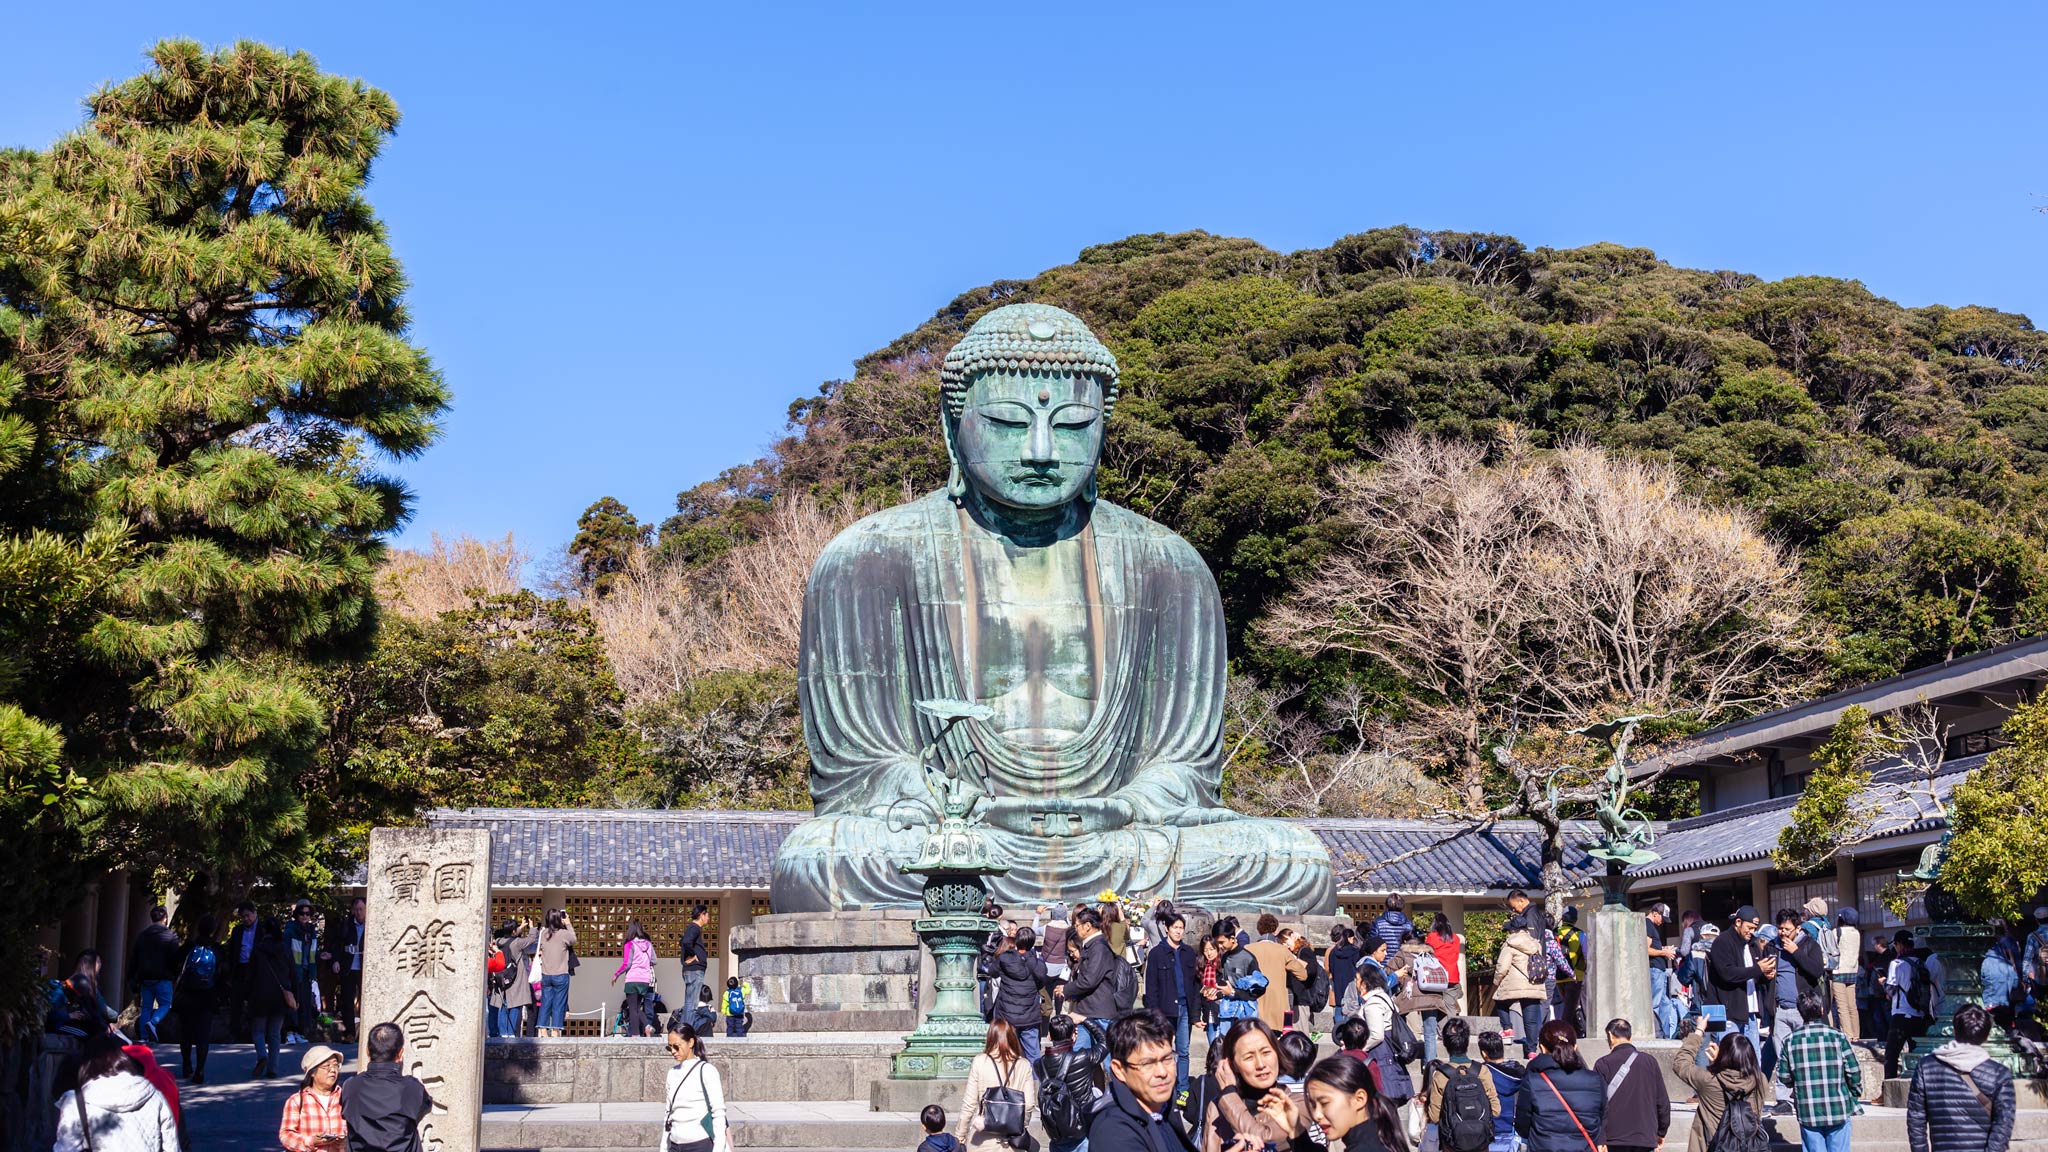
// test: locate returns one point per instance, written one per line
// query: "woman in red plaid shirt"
(312, 1117)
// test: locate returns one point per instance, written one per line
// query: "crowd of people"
(1092, 1013)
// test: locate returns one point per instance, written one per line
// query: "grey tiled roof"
(626, 848)
(641, 848)
(1748, 833)
(1505, 855)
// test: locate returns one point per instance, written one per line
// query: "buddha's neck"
(1029, 527)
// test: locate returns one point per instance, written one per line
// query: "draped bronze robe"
(889, 620)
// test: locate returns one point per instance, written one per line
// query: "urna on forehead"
(1026, 338)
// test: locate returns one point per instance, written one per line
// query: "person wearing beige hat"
(312, 1116)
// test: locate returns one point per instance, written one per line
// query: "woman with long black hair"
(1346, 1104)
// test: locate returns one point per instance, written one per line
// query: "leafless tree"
(1547, 589)
(449, 575)
(1336, 761)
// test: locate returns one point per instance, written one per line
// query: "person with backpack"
(1961, 1100)
(1447, 945)
(1520, 975)
(936, 1138)
(1459, 1100)
(1563, 1102)
(511, 985)
(1020, 978)
(1002, 1094)
(694, 1117)
(1733, 1095)
(1341, 962)
(197, 986)
(636, 964)
(87, 1010)
(1909, 989)
(1069, 1082)
(1311, 991)
(1826, 1078)
(1392, 1046)
(1277, 962)
(1638, 1107)
(738, 1020)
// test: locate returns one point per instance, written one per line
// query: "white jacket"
(694, 1094)
(126, 1112)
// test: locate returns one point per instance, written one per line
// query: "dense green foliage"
(1832, 810)
(1902, 450)
(1997, 856)
(201, 341)
(606, 535)
(507, 702)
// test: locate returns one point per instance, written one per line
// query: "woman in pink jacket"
(636, 964)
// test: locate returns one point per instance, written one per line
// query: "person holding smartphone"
(312, 1115)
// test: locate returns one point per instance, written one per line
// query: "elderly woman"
(312, 1115)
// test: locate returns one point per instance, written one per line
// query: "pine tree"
(607, 535)
(202, 349)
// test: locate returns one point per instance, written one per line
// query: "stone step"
(784, 1124)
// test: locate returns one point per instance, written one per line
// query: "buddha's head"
(1027, 392)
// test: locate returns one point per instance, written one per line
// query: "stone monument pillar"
(1617, 970)
(428, 894)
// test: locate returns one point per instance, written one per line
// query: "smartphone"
(1717, 1018)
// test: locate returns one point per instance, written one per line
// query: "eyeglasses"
(1147, 1065)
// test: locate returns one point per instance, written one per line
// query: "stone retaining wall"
(833, 971)
(619, 1070)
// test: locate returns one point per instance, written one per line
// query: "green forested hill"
(1901, 450)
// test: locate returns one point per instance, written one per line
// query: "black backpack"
(1741, 1129)
(1123, 983)
(1064, 1114)
(1467, 1119)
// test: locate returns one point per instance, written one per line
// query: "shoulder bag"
(1576, 1122)
(702, 1143)
(1002, 1107)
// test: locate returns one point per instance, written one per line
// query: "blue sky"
(636, 234)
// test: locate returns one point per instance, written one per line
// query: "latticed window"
(760, 906)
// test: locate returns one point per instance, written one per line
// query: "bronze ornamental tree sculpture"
(1090, 638)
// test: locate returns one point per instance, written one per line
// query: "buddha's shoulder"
(888, 530)
(1115, 520)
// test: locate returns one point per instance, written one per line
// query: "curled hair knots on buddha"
(1026, 338)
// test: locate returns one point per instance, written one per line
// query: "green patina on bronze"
(1064, 656)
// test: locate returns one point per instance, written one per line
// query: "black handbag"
(1002, 1107)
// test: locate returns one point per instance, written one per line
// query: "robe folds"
(890, 619)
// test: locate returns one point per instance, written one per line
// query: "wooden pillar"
(1760, 893)
(1689, 899)
(1845, 881)
(1454, 911)
(113, 932)
(81, 926)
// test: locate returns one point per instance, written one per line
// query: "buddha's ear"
(956, 481)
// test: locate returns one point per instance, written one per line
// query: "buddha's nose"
(1038, 447)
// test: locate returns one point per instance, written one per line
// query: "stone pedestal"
(427, 923)
(1617, 970)
(832, 971)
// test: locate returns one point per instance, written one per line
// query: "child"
(737, 1018)
(704, 1017)
(936, 1138)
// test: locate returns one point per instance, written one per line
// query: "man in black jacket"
(1137, 1117)
(1090, 990)
(384, 1106)
(1020, 977)
(154, 962)
(1739, 976)
(1173, 980)
(690, 948)
(1638, 1106)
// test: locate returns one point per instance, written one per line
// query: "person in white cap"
(312, 1116)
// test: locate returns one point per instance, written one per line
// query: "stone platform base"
(618, 1071)
(833, 971)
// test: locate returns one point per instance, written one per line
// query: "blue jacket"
(1507, 1081)
(1160, 987)
(1391, 926)
(2001, 978)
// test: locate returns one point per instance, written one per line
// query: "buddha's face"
(1030, 440)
